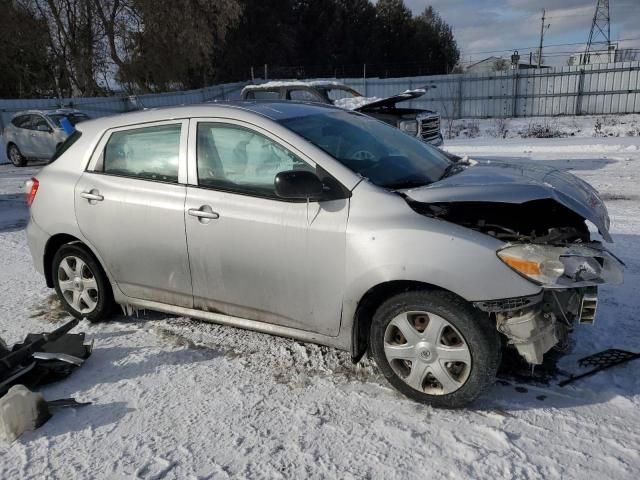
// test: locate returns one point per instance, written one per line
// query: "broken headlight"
(563, 266)
(409, 126)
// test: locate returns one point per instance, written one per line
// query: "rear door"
(254, 255)
(130, 206)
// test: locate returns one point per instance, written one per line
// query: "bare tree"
(450, 104)
(75, 40)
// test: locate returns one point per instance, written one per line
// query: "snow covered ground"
(179, 398)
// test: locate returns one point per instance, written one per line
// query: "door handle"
(202, 213)
(92, 196)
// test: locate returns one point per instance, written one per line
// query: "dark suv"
(424, 124)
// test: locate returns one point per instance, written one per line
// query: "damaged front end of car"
(541, 215)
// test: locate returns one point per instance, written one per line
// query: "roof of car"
(296, 83)
(275, 110)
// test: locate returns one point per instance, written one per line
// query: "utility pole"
(600, 27)
(543, 28)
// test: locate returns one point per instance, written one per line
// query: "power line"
(546, 46)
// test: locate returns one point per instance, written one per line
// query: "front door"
(252, 254)
(130, 206)
(43, 141)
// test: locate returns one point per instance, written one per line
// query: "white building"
(609, 55)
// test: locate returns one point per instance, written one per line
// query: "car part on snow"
(43, 358)
(601, 361)
(22, 410)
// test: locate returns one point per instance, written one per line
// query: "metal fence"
(579, 90)
(589, 89)
(102, 106)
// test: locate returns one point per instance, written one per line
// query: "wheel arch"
(53, 245)
(369, 303)
(8, 146)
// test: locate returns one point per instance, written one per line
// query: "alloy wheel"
(78, 284)
(14, 155)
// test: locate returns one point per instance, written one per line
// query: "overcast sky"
(486, 25)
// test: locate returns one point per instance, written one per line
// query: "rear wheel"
(435, 348)
(81, 284)
(16, 157)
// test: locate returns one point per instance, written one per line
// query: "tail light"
(31, 187)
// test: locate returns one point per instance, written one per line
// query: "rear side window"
(66, 145)
(149, 153)
(303, 96)
(40, 124)
(23, 121)
(263, 95)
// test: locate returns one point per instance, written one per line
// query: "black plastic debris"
(41, 359)
(601, 361)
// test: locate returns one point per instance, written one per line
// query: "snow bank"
(599, 126)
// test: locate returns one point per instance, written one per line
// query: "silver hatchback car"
(38, 133)
(268, 216)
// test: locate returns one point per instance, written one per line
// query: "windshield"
(74, 118)
(379, 152)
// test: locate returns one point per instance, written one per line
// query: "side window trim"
(97, 157)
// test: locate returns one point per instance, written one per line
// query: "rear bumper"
(37, 241)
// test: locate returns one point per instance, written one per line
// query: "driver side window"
(239, 160)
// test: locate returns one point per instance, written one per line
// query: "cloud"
(482, 26)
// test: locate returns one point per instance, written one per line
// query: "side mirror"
(43, 128)
(298, 184)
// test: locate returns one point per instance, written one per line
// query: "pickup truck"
(424, 124)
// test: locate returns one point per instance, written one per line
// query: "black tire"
(103, 296)
(16, 157)
(480, 337)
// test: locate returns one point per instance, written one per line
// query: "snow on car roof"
(297, 83)
(60, 111)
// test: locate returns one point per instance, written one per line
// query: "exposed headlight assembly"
(563, 267)
(409, 126)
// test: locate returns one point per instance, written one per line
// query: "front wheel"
(435, 348)
(81, 284)
(16, 156)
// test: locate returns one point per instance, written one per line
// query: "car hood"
(391, 101)
(495, 181)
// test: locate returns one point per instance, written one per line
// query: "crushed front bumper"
(536, 324)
